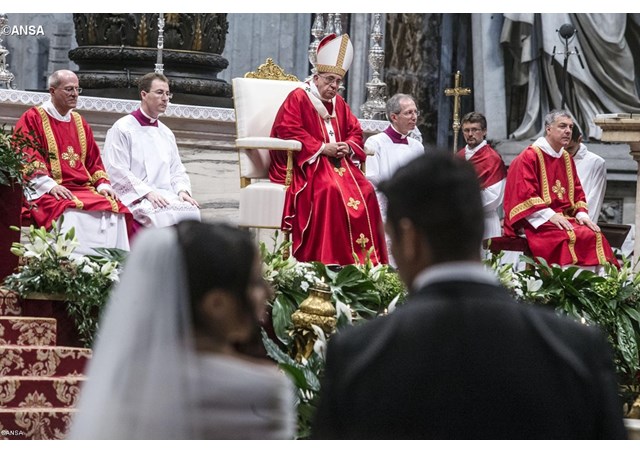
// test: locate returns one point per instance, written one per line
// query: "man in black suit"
(461, 359)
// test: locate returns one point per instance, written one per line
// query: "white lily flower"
(304, 286)
(36, 249)
(65, 247)
(533, 285)
(320, 345)
(343, 309)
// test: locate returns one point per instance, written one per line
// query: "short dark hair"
(575, 133)
(475, 117)
(144, 83)
(440, 194)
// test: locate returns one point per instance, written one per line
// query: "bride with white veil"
(167, 361)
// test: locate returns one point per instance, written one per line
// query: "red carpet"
(39, 378)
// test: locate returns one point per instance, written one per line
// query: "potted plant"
(14, 169)
(52, 281)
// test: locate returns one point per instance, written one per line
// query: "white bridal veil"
(138, 385)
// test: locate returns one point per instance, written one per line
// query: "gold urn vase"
(317, 309)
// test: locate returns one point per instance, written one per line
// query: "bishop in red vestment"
(330, 208)
(544, 198)
(70, 178)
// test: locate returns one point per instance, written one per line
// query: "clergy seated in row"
(142, 158)
(544, 200)
(330, 208)
(69, 177)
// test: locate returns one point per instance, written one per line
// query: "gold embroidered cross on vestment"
(362, 240)
(353, 203)
(559, 190)
(71, 156)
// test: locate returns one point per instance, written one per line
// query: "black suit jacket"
(463, 360)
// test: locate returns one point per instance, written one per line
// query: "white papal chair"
(257, 97)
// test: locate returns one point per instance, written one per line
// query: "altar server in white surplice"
(592, 172)
(394, 146)
(142, 157)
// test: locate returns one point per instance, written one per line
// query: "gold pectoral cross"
(362, 240)
(71, 156)
(339, 170)
(353, 203)
(559, 190)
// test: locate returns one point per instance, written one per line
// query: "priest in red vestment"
(71, 179)
(330, 208)
(492, 173)
(544, 198)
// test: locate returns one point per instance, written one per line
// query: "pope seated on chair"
(331, 208)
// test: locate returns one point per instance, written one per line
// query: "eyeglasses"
(161, 93)
(70, 90)
(331, 80)
(410, 113)
(471, 130)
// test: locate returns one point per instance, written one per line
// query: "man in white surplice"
(142, 157)
(592, 172)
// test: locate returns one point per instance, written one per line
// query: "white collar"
(152, 120)
(53, 112)
(468, 271)
(544, 145)
(468, 152)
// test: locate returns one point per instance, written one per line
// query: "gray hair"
(393, 104)
(54, 79)
(553, 116)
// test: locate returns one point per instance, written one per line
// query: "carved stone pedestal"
(115, 50)
(625, 128)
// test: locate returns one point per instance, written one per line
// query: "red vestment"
(488, 165)
(535, 181)
(73, 161)
(330, 208)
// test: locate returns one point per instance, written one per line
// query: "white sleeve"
(39, 186)
(116, 156)
(179, 178)
(373, 162)
(493, 196)
(539, 217)
(597, 189)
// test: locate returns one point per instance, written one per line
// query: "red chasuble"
(536, 181)
(74, 162)
(331, 208)
(488, 164)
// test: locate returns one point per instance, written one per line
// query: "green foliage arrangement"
(610, 301)
(359, 292)
(48, 266)
(14, 164)
(362, 291)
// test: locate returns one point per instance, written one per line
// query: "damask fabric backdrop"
(609, 47)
